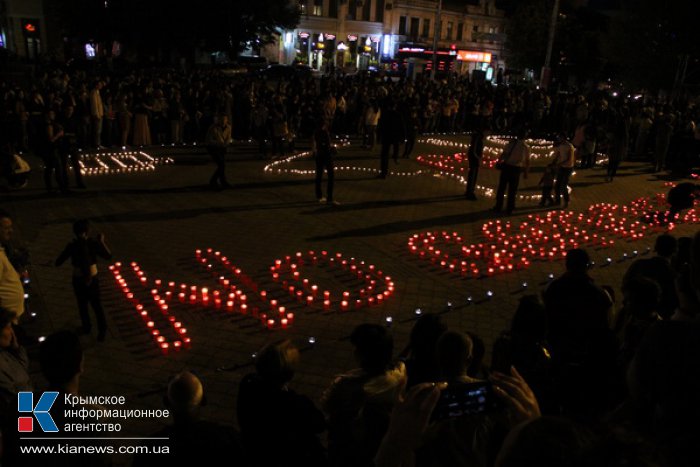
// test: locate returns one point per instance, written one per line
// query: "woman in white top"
(514, 160)
(372, 115)
(564, 161)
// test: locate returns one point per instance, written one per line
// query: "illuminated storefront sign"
(30, 27)
(472, 56)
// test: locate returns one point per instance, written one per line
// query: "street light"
(438, 28)
(545, 75)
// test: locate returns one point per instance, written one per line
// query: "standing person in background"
(50, 141)
(412, 125)
(392, 132)
(617, 148)
(124, 118)
(664, 131)
(83, 252)
(474, 154)
(280, 129)
(514, 160)
(176, 115)
(564, 161)
(547, 184)
(142, 132)
(323, 150)
(110, 117)
(68, 147)
(260, 123)
(371, 119)
(643, 130)
(159, 112)
(329, 105)
(217, 140)
(587, 148)
(97, 113)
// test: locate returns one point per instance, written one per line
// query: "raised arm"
(102, 249)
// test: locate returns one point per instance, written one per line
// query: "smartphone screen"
(460, 399)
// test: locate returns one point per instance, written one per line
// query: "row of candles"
(507, 246)
(456, 166)
(274, 166)
(161, 303)
(449, 166)
(273, 312)
(541, 149)
(120, 162)
(290, 271)
(258, 303)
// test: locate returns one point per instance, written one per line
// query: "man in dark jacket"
(392, 132)
(474, 153)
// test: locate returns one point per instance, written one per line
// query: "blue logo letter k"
(25, 403)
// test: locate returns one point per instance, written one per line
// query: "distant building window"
(366, 10)
(352, 9)
(302, 7)
(460, 28)
(333, 9)
(415, 25)
(426, 28)
(379, 13)
(402, 25)
(450, 27)
(318, 10)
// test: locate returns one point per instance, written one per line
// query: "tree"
(526, 34)
(576, 50)
(648, 39)
(157, 25)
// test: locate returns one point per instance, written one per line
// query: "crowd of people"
(57, 113)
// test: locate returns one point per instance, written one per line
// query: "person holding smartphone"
(410, 420)
(466, 412)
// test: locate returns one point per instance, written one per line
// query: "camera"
(460, 399)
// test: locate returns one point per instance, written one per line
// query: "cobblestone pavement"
(159, 218)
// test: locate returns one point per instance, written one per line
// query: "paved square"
(159, 218)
